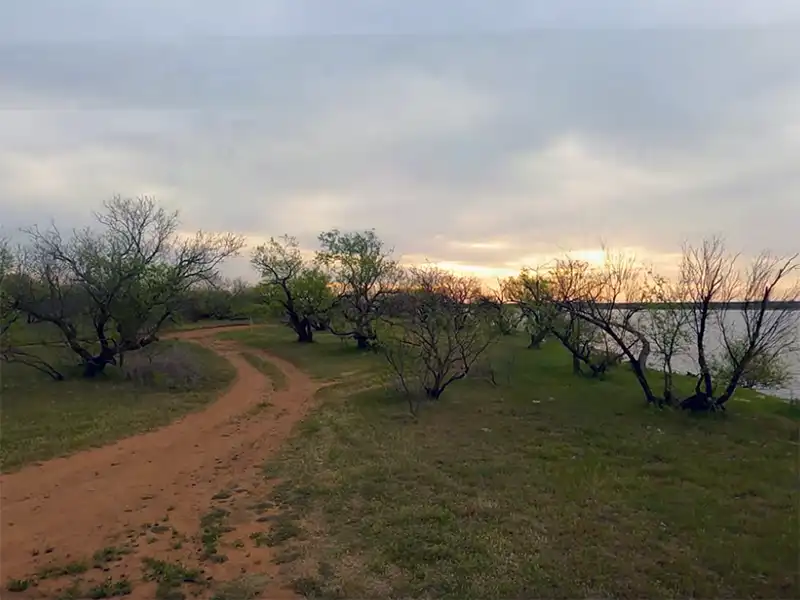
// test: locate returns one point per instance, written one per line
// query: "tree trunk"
(305, 333)
(362, 343)
(576, 365)
(640, 376)
(97, 364)
(537, 339)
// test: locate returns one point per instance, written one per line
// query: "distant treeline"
(792, 305)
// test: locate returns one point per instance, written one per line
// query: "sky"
(483, 136)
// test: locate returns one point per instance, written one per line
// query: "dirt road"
(146, 495)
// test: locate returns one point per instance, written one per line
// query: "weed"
(248, 587)
(18, 585)
(71, 568)
(212, 526)
(111, 589)
(109, 554)
(169, 577)
(73, 592)
(158, 529)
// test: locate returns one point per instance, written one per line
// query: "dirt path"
(147, 494)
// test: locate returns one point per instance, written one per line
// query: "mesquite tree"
(300, 290)
(10, 315)
(666, 325)
(530, 291)
(363, 273)
(751, 311)
(444, 331)
(608, 297)
(122, 280)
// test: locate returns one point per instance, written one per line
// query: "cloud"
(484, 151)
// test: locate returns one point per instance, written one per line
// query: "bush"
(172, 366)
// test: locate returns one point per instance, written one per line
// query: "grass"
(275, 375)
(247, 587)
(545, 486)
(111, 588)
(71, 568)
(169, 577)
(43, 419)
(328, 358)
(212, 527)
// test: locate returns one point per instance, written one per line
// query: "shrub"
(172, 366)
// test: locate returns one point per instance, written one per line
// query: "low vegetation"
(276, 376)
(43, 419)
(541, 485)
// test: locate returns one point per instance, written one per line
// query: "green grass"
(43, 419)
(275, 375)
(169, 577)
(28, 334)
(545, 486)
(327, 358)
(246, 587)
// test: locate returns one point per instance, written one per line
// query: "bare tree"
(363, 273)
(442, 335)
(301, 290)
(125, 278)
(608, 297)
(666, 323)
(752, 313)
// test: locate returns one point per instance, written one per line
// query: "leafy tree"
(531, 292)
(300, 291)
(505, 314)
(126, 278)
(10, 315)
(363, 273)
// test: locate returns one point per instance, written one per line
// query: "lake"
(688, 361)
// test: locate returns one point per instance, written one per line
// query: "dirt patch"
(179, 494)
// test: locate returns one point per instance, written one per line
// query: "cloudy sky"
(482, 135)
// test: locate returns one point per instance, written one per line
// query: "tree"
(10, 315)
(768, 370)
(607, 297)
(299, 290)
(666, 324)
(752, 312)
(125, 278)
(530, 291)
(442, 334)
(363, 273)
(505, 314)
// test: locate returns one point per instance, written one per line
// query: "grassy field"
(42, 418)
(544, 486)
(31, 334)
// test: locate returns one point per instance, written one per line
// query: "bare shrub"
(172, 366)
(443, 334)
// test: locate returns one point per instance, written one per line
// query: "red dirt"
(66, 509)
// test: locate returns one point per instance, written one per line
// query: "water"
(687, 362)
